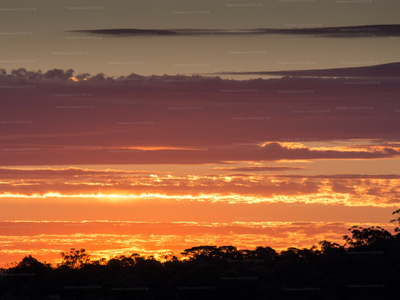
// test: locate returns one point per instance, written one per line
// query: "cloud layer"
(192, 120)
(377, 71)
(32, 186)
(333, 32)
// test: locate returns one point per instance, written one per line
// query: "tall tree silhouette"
(396, 220)
(75, 258)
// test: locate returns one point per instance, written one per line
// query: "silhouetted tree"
(367, 236)
(329, 248)
(200, 252)
(396, 220)
(266, 253)
(75, 258)
(124, 261)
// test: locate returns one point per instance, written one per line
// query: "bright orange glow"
(133, 237)
(322, 198)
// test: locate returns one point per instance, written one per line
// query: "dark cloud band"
(334, 32)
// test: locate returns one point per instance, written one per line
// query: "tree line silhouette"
(366, 266)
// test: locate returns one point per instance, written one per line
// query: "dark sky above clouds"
(67, 34)
(52, 16)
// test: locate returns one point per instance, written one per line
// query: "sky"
(153, 127)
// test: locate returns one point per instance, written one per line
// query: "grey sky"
(37, 35)
(225, 14)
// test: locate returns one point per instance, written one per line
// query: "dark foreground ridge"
(366, 266)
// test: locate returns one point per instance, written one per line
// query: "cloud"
(257, 169)
(377, 71)
(274, 151)
(50, 75)
(75, 185)
(192, 119)
(279, 151)
(333, 32)
(67, 173)
(22, 73)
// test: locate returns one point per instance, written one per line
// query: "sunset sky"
(152, 126)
